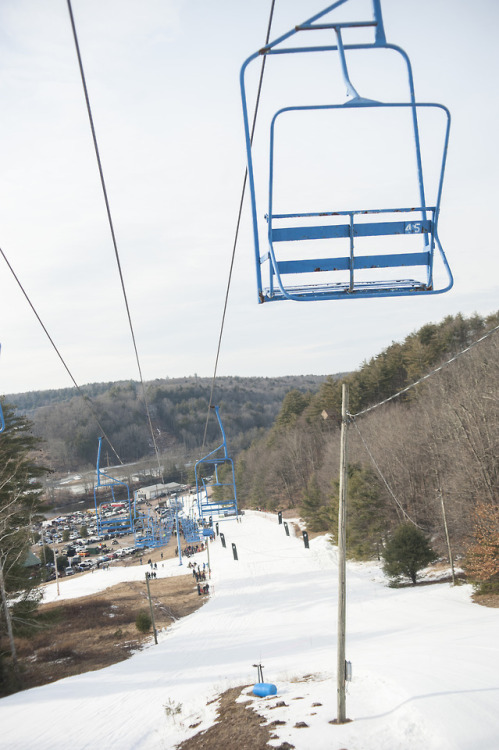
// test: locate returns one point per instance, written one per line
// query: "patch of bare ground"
(291, 513)
(486, 600)
(93, 632)
(236, 727)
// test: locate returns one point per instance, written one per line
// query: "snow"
(99, 580)
(425, 660)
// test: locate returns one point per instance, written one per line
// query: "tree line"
(178, 409)
(20, 502)
(432, 450)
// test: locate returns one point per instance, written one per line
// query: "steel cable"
(238, 223)
(428, 374)
(85, 396)
(113, 235)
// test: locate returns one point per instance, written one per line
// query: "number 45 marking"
(414, 228)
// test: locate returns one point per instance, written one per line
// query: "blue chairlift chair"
(108, 525)
(216, 494)
(150, 531)
(317, 278)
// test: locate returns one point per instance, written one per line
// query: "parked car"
(69, 572)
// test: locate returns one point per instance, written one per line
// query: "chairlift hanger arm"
(101, 473)
(309, 24)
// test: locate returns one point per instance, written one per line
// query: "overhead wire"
(84, 395)
(377, 467)
(238, 223)
(353, 417)
(428, 374)
(113, 234)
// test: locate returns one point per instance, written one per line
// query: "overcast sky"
(163, 80)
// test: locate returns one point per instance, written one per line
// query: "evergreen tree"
(366, 519)
(62, 563)
(294, 403)
(406, 552)
(46, 555)
(313, 509)
(19, 503)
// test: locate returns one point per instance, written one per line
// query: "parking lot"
(75, 536)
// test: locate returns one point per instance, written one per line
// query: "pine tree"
(294, 403)
(365, 513)
(313, 509)
(19, 503)
(407, 552)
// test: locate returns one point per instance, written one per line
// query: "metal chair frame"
(109, 526)
(224, 508)
(422, 219)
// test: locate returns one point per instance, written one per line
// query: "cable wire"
(428, 374)
(84, 395)
(352, 417)
(238, 223)
(375, 464)
(113, 235)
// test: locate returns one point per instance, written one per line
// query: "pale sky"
(163, 80)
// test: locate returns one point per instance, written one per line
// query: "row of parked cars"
(83, 553)
(79, 564)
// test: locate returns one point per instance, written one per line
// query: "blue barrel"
(263, 689)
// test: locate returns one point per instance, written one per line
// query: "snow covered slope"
(425, 660)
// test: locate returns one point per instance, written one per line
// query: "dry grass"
(236, 727)
(96, 631)
(486, 600)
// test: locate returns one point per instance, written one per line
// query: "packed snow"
(425, 659)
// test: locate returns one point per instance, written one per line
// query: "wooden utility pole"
(152, 610)
(179, 546)
(54, 552)
(444, 514)
(340, 661)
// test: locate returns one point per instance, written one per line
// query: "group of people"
(203, 589)
(197, 573)
(191, 549)
(154, 567)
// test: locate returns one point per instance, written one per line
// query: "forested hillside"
(178, 407)
(434, 447)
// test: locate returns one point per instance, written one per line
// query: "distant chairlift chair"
(216, 494)
(105, 524)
